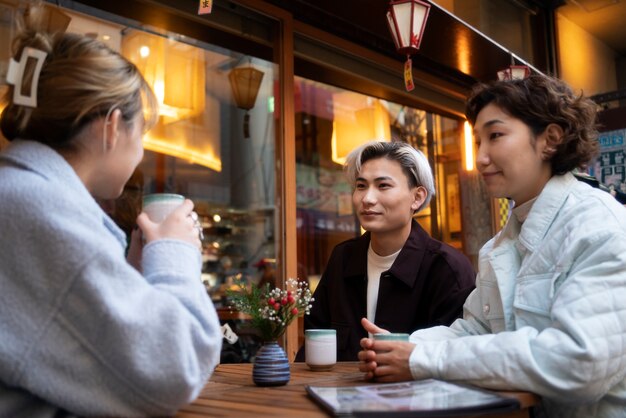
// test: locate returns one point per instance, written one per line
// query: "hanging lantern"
(514, 72)
(245, 83)
(407, 20)
(48, 18)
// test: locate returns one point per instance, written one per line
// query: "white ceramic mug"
(320, 347)
(158, 205)
(391, 336)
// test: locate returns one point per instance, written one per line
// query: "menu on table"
(431, 397)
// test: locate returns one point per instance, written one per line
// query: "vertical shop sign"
(408, 75)
(609, 167)
(205, 7)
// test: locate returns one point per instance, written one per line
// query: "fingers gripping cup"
(320, 346)
(157, 206)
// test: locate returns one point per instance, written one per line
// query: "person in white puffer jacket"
(548, 314)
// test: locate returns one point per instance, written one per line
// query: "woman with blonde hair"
(84, 330)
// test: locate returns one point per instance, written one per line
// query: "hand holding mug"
(180, 223)
(385, 358)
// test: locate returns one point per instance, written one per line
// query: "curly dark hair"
(539, 101)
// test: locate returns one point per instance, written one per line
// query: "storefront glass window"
(204, 146)
(214, 143)
(330, 122)
(7, 29)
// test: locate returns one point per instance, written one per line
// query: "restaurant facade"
(262, 100)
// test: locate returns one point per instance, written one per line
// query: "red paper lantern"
(407, 20)
(514, 72)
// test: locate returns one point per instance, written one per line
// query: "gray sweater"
(80, 329)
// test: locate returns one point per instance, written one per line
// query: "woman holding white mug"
(83, 332)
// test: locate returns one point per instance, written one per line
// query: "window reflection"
(177, 72)
(198, 147)
(7, 28)
(330, 122)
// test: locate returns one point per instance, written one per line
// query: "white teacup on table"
(320, 347)
(158, 205)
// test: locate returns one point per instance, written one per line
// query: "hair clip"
(15, 76)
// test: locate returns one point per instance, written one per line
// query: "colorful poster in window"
(609, 167)
(323, 190)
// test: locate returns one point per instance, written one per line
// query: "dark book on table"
(421, 398)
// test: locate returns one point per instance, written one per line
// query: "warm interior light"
(106, 37)
(174, 70)
(468, 147)
(3, 89)
(217, 218)
(144, 52)
(352, 128)
(159, 90)
(463, 52)
(176, 73)
(194, 156)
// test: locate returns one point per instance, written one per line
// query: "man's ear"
(111, 129)
(553, 138)
(419, 196)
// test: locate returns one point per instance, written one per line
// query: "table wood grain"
(231, 393)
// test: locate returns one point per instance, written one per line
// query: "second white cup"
(158, 205)
(391, 336)
(320, 347)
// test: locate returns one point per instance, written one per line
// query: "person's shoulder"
(438, 248)
(37, 202)
(23, 191)
(32, 191)
(352, 244)
(454, 255)
(452, 259)
(590, 207)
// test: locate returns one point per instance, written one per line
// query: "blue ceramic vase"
(271, 367)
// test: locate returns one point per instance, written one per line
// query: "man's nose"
(369, 195)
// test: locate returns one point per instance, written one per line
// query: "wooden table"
(231, 393)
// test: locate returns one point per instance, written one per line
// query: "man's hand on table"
(384, 361)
